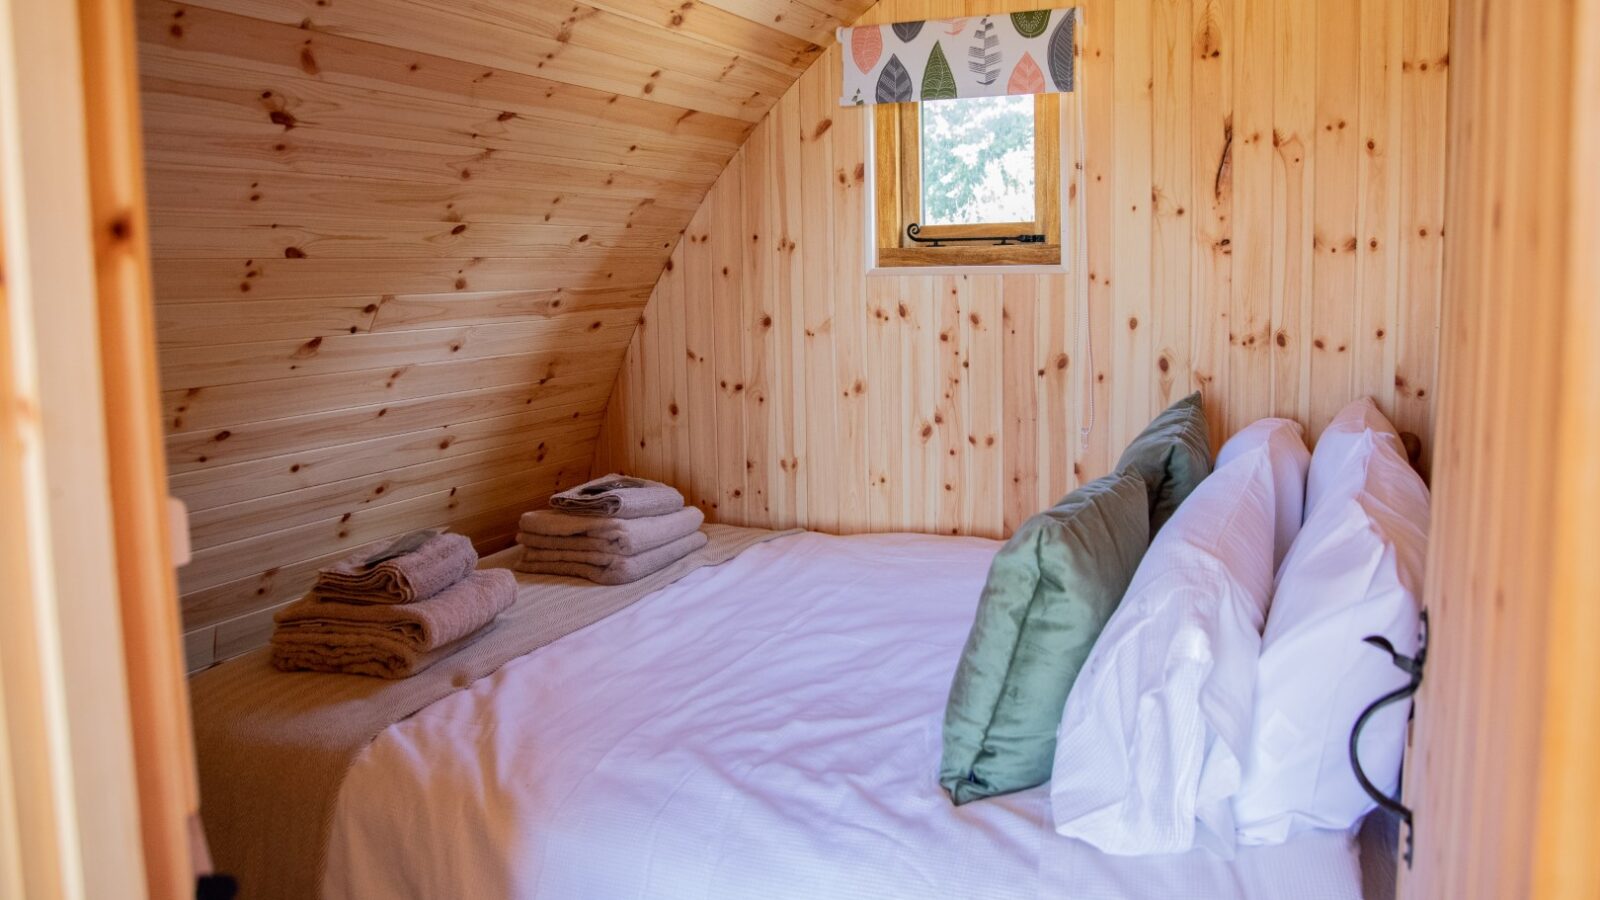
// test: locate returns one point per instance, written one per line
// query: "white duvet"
(767, 729)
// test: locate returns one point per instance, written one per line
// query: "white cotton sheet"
(768, 728)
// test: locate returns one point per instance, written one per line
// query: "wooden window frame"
(897, 153)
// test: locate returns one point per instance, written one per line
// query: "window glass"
(977, 161)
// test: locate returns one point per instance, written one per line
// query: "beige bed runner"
(274, 746)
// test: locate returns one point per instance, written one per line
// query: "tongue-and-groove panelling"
(401, 246)
(1263, 186)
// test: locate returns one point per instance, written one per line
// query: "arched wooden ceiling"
(400, 247)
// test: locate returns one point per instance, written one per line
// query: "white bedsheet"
(766, 729)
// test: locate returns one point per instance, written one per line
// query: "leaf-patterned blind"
(940, 59)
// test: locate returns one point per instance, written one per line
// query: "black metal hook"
(913, 230)
(1412, 666)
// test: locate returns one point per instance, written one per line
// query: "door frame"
(1503, 775)
(96, 773)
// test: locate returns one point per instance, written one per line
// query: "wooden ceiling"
(401, 246)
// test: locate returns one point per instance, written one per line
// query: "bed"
(769, 728)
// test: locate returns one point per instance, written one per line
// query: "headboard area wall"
(1264, 199)
(400, 249)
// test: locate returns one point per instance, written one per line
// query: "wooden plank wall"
(400, 248)
(1263, 183)
(1503, 772)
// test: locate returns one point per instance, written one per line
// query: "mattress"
(768, 728)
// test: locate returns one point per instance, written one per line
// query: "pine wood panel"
(1246, 166)
(576, 44)
(150, 620)
(400, 248)
(74, 798)
(1502, 773)
(196, 451)
(198, 195)
(195, 367)
(177, 86)
(268, 47)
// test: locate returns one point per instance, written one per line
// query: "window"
(985, 166)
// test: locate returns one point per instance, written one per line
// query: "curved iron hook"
(1412, 666)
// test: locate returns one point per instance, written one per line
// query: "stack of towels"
(394, 612)
(611, 530)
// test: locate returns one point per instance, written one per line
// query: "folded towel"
(355, 654)
(619, 496)
(409, 568)
(608, 568)
(550, 529)
(392, 640)
(444, 618)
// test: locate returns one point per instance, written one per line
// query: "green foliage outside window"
(977, 161)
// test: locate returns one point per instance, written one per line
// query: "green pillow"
(1173, 454)
(1050, 591)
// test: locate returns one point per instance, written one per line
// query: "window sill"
(996, 258)
(1015, 259)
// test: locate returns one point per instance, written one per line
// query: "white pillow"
(1341, 444)
(1284, 438)
(1355, 570)
(1150, 747)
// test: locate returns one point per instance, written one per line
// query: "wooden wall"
(1503, 772)
(400, 247)
(1263, 184)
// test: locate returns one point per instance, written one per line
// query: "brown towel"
(436, 562)
(608, 568)
(550, 529)
(619, 496)
(444, 618)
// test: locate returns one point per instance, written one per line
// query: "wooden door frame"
(96, 771)
(1567, 836)
(1504, 774)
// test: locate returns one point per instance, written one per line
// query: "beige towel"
(391, 640)
(619, 496)
(444, 618)
(608, 568)
(551, 529)
(379, 656)
(438, 562)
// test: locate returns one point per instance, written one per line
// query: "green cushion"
(1051, 589)
(1173, 454)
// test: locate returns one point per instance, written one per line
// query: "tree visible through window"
(978, 177)
(977, 161)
